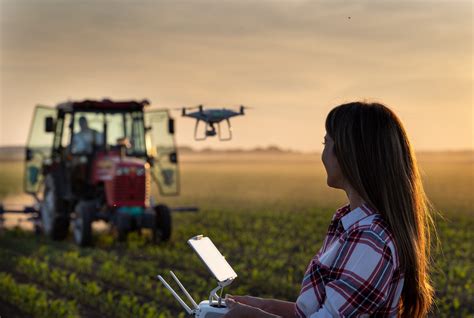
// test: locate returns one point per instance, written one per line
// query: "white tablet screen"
(213, 259)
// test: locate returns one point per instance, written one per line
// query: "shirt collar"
(349, 217)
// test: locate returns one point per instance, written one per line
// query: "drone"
(212, 117)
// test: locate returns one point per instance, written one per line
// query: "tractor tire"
(123, 226)
(162, 228)
(122, 235)
(54, 218)
(82, 225)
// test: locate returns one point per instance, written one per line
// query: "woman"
(375, 257)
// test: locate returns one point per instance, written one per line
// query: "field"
(267, 213)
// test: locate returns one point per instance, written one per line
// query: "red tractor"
(95, 160)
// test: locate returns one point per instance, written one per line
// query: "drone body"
(211, 117)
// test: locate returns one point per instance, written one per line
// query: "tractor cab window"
(115, 129)
(135, 131)
(88, 132)
(126, 129)
(67, 130)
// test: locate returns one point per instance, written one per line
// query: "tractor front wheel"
(54, 220)
(83, 222)
(162, 228)
(123, 226)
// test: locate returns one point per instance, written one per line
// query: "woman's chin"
(333, 184)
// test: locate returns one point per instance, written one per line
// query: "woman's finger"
(240, 299)
(239, 310)
(230, 303)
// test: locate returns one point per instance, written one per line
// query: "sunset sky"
(292, 61)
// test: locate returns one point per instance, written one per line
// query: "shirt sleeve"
(362, 272)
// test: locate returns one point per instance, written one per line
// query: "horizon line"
(268, 148)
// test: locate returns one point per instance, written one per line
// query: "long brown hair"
(377, 159)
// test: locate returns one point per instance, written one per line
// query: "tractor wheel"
(123, 226)
(162, 229)
(122, 235)
(54, 219)
(82, 225)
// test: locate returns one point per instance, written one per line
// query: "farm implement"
(99, 160)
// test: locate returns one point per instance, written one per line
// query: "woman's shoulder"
(374, 227)
(366, 218)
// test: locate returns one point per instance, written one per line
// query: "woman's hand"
(256, 302)
(240, 310)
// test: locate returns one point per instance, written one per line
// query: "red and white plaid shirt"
(356, 272)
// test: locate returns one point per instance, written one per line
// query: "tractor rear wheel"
(54, 219)
(162, 228)
(82, 225)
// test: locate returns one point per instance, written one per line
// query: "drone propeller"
(187, 107)
(243, 108)
(184, 109)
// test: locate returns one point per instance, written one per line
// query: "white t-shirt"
(83, 141)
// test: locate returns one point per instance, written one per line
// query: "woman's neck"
(355, 200)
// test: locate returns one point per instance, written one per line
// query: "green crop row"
(114, 273)
(109, 303)
(269, 252)
(33, 301)
(105, 268)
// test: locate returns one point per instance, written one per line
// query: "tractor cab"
(97, 160)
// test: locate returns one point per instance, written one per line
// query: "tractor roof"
(103, 105)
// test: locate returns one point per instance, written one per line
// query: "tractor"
(98, 160)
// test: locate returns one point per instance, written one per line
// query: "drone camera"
(210, 133)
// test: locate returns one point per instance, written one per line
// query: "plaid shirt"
(356, 272)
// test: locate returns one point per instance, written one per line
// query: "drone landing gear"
(229, 129)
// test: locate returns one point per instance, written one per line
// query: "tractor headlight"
(121, 171)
